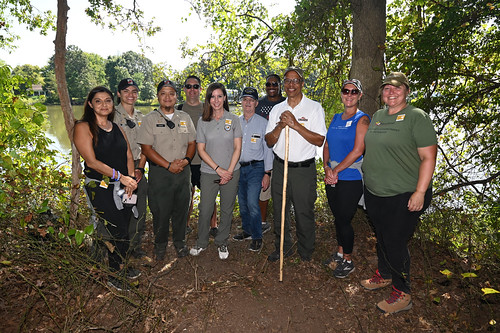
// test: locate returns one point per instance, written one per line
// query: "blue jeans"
(249, 188)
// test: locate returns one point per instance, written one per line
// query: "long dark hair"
(89, 114)
(207, 108)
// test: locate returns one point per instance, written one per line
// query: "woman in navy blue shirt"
(342, 158)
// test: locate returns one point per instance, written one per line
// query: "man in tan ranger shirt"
(167, 137)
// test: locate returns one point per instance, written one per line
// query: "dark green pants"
(169, 196)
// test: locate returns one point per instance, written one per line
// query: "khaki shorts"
(266, 195)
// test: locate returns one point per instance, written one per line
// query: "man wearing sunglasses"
(194, 107)
(266, 103)
(306, 121)
(168, 138)
(130, 119)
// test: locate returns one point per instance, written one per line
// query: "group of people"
(385, 163)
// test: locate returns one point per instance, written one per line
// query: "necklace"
(105, 127)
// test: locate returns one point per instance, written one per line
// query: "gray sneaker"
(343, 269)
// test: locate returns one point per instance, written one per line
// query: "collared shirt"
(121, 117)
(172, 143)
(218, 137)
(309, 114)
(254, 146)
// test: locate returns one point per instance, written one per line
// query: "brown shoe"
(375, 282)
(397, 301)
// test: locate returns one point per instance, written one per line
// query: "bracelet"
(188, 159)
(141, 170)
(119, 176)
(216, 168)
(169, 163)
(268, 173)
(114, 171)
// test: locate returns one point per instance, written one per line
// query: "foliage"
(134, 65)
(28, 169)
(450, 51)
(22, 11)
(31, 73)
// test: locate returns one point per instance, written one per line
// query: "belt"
(302, 164)
(244, 164)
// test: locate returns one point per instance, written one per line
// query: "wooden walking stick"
(283, 201)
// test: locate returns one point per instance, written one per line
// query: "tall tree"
(368, 46)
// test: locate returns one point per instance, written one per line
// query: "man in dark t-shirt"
(266, 103)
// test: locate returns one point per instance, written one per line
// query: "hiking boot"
(275, 256)
(196, 250)
(118, 284)
(265, 227)
(397, 301)
(333, 261)
(256, 245)
(343, 269)
(213, 231)
(223, 252)
(242, 236)
(182, 252)
(375, 282)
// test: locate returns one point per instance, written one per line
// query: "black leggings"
(343, 199)
(394, 226)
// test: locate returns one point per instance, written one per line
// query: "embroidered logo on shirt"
(227, 124)
(400, 117)
(378, 123)
(302, 119)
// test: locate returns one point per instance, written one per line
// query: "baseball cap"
(396, 79)
(125, 83)
(297, 70)
(354, 82)
(165, 83)
(250, 92)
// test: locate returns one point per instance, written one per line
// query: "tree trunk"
(62, 89)
(368, 40)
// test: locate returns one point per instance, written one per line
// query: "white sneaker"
(196, 250)
(223, 252)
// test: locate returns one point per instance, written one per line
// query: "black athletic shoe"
(256, 245)
(343, 269)
(182, 252)
(118, 284)
(242, 236)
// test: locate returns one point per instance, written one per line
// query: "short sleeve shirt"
(391, 162)
(195, 113)
(218, 137)
(172, 143)
(121, 117)
(309, 114)
(254, 146)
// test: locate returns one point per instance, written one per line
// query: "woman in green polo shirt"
(398, 164)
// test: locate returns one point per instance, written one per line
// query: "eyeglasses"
(170, 123)
(130, 123)
(294, 81)
(352, 91)
(194, 86)
(274, 84)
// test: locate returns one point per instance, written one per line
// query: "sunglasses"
(274, 84)
(352, 91)
(194, 86)
(130, 123)
(170, 123)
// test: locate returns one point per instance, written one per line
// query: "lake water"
(56, 130)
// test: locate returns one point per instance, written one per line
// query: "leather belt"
(244, 164)
(302, 164)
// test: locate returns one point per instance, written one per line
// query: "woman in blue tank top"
(342, 158)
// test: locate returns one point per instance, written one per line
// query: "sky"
(36, 49)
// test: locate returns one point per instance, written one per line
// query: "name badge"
(161, 125)
(348, 124)
(227, 124)
(400, 117)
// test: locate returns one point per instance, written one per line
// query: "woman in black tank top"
(108, 163)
